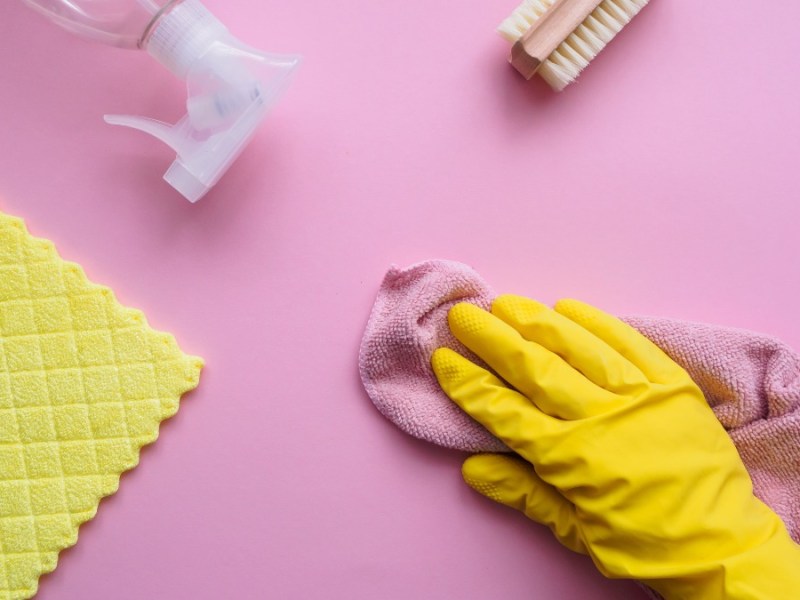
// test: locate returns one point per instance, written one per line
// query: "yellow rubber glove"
(619, 453)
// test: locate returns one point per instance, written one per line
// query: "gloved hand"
(618, 452)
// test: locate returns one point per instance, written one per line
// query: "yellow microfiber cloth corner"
(84, 384)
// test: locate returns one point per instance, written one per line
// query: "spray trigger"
(230, 89)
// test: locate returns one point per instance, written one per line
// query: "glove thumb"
(513, 482)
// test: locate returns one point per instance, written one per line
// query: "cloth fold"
(751, 381)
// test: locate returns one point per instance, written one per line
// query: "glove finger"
(649, 358)
(513, 482)
(505, 412)
(550, 382)
(583, 350)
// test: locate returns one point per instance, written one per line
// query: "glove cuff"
(770, 571)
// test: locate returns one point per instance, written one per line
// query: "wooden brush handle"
(547, 33)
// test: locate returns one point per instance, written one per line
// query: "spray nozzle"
(231, 87)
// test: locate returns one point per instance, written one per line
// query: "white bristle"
(564, 65)
(525, 15)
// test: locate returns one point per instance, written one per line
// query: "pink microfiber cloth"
(751, 381)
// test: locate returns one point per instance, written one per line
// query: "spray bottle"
(230, 85)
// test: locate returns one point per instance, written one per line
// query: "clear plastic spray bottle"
(230, 85)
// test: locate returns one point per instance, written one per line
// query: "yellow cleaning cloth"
(84, 384)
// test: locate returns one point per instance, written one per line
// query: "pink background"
(665, 183)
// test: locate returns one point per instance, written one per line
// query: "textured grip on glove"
(627, 461)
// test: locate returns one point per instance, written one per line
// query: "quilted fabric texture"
(84, 384)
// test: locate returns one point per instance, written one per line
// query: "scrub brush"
(558, 38)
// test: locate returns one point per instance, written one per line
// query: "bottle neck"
(155, 20)
(181, 33)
